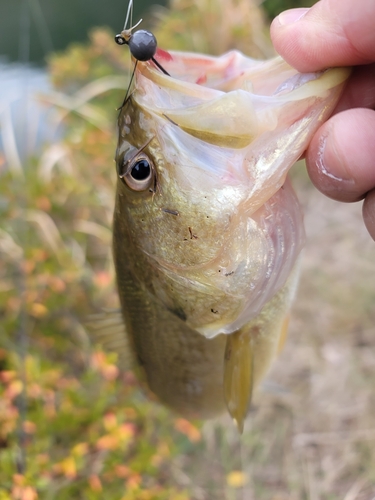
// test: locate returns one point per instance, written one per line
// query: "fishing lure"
(142, 45)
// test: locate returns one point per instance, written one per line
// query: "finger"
(331, 33)
(368, 211)
(360, 89)
(341, 156)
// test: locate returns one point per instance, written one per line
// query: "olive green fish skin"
(183, 368)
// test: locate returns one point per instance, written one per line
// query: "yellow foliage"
(4, 495)
(237, 479)
(80, 449)
(214, 27)
(38, 310)
(109, 421)
(14, 389)
(67, 467)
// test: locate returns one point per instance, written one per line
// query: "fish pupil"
(142, 45)
(141, 170)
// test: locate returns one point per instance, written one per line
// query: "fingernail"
(322, 155)
(291, 16)
(368, 211)
(327, 160)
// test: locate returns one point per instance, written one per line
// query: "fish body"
(207, 229)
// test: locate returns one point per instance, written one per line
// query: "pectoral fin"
(283, 334)
(238, 375)
(107, 329)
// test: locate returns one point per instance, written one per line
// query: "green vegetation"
(274, 7)
(72, 425)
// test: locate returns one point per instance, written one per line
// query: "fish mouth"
(232, 99)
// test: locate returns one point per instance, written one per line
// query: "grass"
(75, 425)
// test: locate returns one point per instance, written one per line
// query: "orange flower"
(95, 483)
(108, 442)
(29, 427)
(187, 428)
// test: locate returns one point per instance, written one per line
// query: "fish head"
(211, 225)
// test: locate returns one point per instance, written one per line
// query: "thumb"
(331, 33)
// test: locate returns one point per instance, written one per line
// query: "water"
(26, 121)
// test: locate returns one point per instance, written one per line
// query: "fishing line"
(129, 12)
(41, 25)
(160, 66)
(130, 84)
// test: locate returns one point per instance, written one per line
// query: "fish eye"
(141, 170)
(139, 173)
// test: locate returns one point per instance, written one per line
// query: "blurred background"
(74, 423)
(54, 24)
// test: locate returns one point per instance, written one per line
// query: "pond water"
(27, 122)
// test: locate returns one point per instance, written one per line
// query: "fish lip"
(232, 64)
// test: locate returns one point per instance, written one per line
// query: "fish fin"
(283, 333)
(107, 329)
(238, 375)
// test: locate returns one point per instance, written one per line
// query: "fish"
(207, 230)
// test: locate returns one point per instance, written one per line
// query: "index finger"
(331, 33)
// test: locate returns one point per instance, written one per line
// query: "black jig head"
(142, 45)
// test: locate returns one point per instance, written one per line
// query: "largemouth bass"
(207, 229)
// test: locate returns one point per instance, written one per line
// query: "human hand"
(341, 156)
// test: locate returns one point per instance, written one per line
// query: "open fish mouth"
(232, 100)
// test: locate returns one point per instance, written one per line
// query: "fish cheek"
(129, 124)
(168, 227)
(128, 233)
